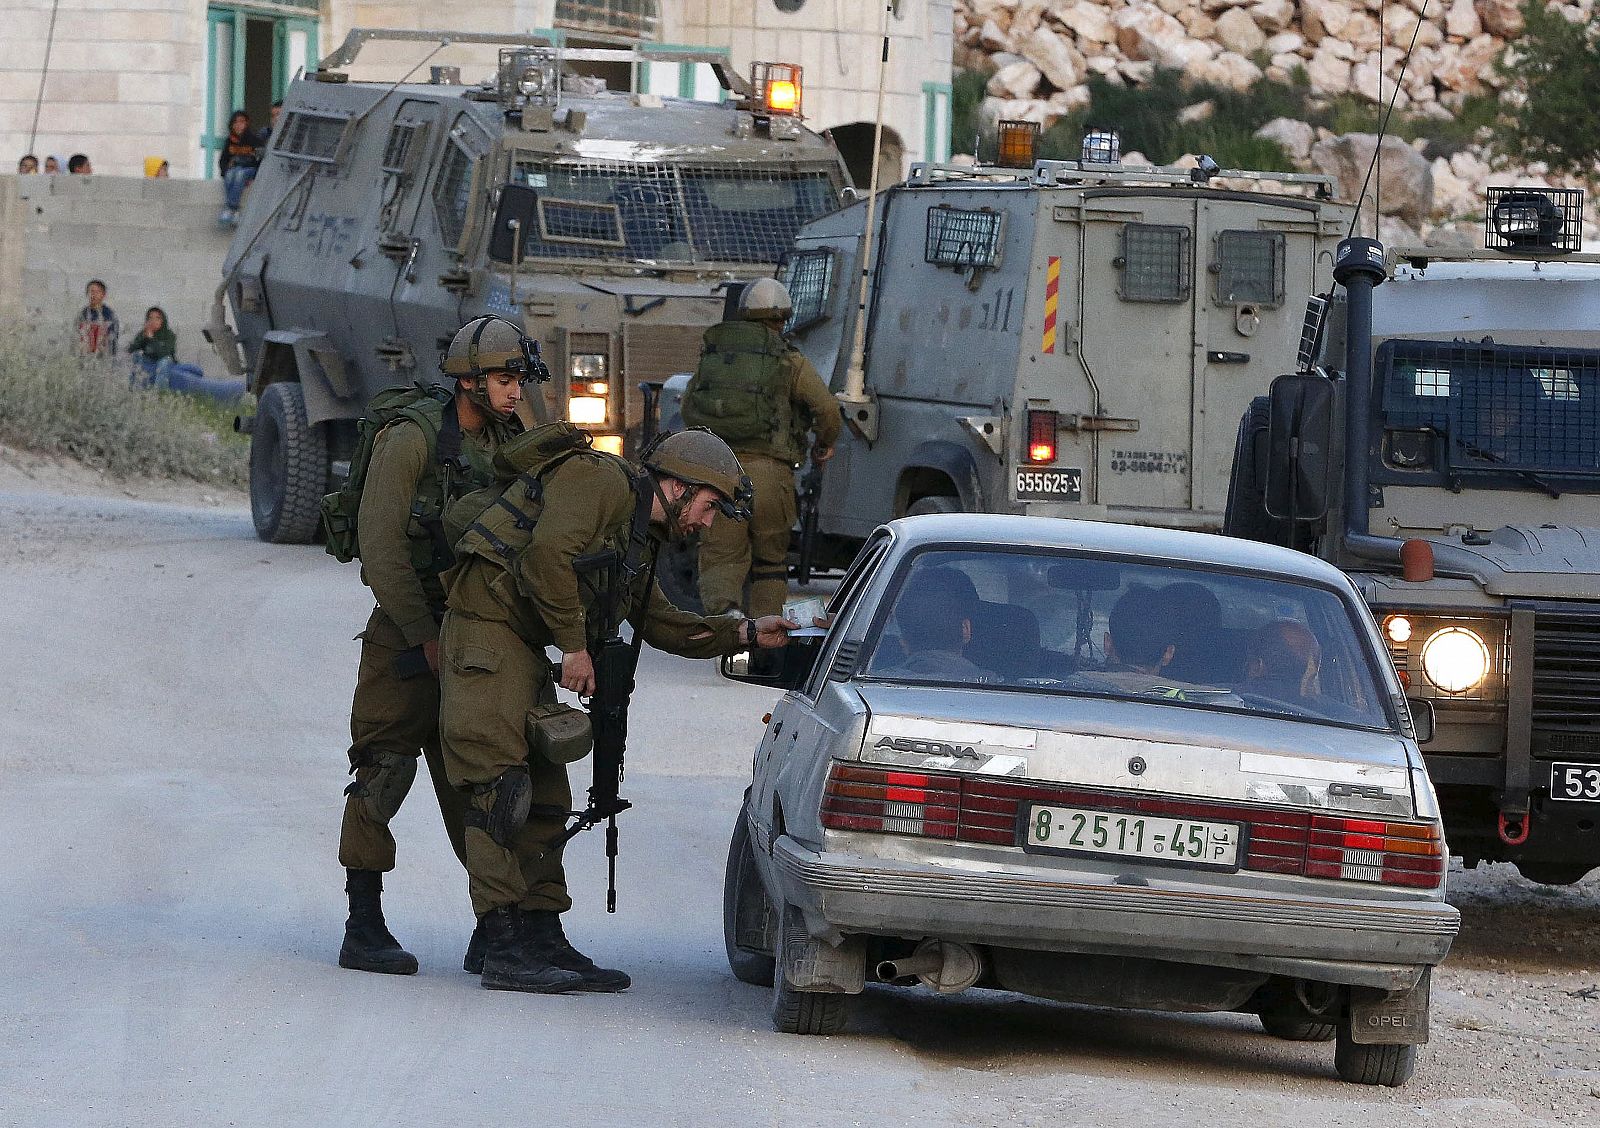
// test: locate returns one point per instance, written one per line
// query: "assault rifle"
(605, 575)
(810, 501)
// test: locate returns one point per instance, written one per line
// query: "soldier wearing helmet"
(515, 592)
(433, 447)
(758, 393)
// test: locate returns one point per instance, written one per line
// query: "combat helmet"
(765, 299)
(698, 457)
(492, 344)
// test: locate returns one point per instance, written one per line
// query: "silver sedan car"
(1095, 763)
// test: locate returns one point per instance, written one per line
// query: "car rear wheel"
(1371, 1065)
(938, 504)
(1554, 873)
(288, 467)
(747, 914)
(802, 1012)
(1294, 1028)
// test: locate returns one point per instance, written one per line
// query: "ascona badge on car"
(1096, 763)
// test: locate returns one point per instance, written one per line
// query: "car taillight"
(891, 802)
(1390, 853)
(1041, 436)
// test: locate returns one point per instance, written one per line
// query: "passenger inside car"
(1283, 660)
(1142, 635)
(934, 618)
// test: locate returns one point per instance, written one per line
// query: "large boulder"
(1238, 33)
(1059, 61)
(1273, 16)
(1295, 137)
(1019, 80)
(1500, 17)
(1461, 21)
(993, 38)
(1229, 70)
(1146, 34)
(1328, 73)
(1407, 176)
(1088, 22)
(1323, 19)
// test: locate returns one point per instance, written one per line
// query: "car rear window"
(1108, 627)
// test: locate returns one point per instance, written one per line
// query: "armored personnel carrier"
(1447, 456)
(606, 223)
(1063, 338)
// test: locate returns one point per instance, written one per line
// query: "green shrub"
(57, 402)
(1556, 69)
(967, 91)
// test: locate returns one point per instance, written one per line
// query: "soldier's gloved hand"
(577, 673)
(430, 651)
(772, 631)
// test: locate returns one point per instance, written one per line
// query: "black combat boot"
(514, 961)
(473, 961)
(368, 944)
(545, 925)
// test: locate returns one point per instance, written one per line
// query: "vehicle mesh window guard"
(310, 137)
(637, 19)
(1250, 267)
(670, 212)
(452, 189)
(963, 237)
(398, 147)
(1156, 262)
(1518, 410)
(808, 275)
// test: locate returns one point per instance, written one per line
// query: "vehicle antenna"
(854, 394)
(1388, 112)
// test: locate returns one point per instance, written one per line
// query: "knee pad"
(384, 784)
(510, 801)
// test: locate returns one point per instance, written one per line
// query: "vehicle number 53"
(1580, 782)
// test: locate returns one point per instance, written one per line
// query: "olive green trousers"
(733, 553)
(389, 714)
(489, 680)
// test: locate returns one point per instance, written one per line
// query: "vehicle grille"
(1566, 679)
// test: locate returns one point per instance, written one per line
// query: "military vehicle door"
(1136, 338)
(1259, 261)
(434, 222)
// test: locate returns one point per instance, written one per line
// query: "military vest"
(740, 389)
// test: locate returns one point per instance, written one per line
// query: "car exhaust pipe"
(943, 965)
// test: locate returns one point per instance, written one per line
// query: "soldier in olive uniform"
(436, 449)
(761, 395)
(516, 592)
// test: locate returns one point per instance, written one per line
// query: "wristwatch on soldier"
(750, 631)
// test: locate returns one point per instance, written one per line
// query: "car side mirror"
(787, 667)
(1422, 718)
(516, 221)
(1299, 447)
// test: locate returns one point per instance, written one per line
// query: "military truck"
(604, 222)
(1449, 461)
(1067, 338)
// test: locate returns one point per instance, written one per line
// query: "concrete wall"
(153, 242)
(125, 82)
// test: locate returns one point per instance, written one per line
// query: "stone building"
(127, 79)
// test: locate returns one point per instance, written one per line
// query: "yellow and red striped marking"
(1052, 287)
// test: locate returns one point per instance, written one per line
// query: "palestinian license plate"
(1071, 830)
(1575, 782)
(1049, 483)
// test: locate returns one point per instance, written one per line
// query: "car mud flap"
(809, 964)
(1395, 1018)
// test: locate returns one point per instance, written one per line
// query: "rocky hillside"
(1042, 54)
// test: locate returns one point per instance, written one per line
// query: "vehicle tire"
(803, 1012)
(1371, 1065)
(288, 467)
(1294, 1028)
(1554, 873)
(745, 903)
(938, 504)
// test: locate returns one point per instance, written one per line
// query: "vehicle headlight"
(1455, 659)
(588, 368)
(586, 409)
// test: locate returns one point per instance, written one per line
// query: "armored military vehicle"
(604, 222)
(1068, 338)
(1449, 460)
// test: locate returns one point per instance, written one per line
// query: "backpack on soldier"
(421, 404)
(738, 390)
(527, 459)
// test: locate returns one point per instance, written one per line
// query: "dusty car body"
(1024, 809)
